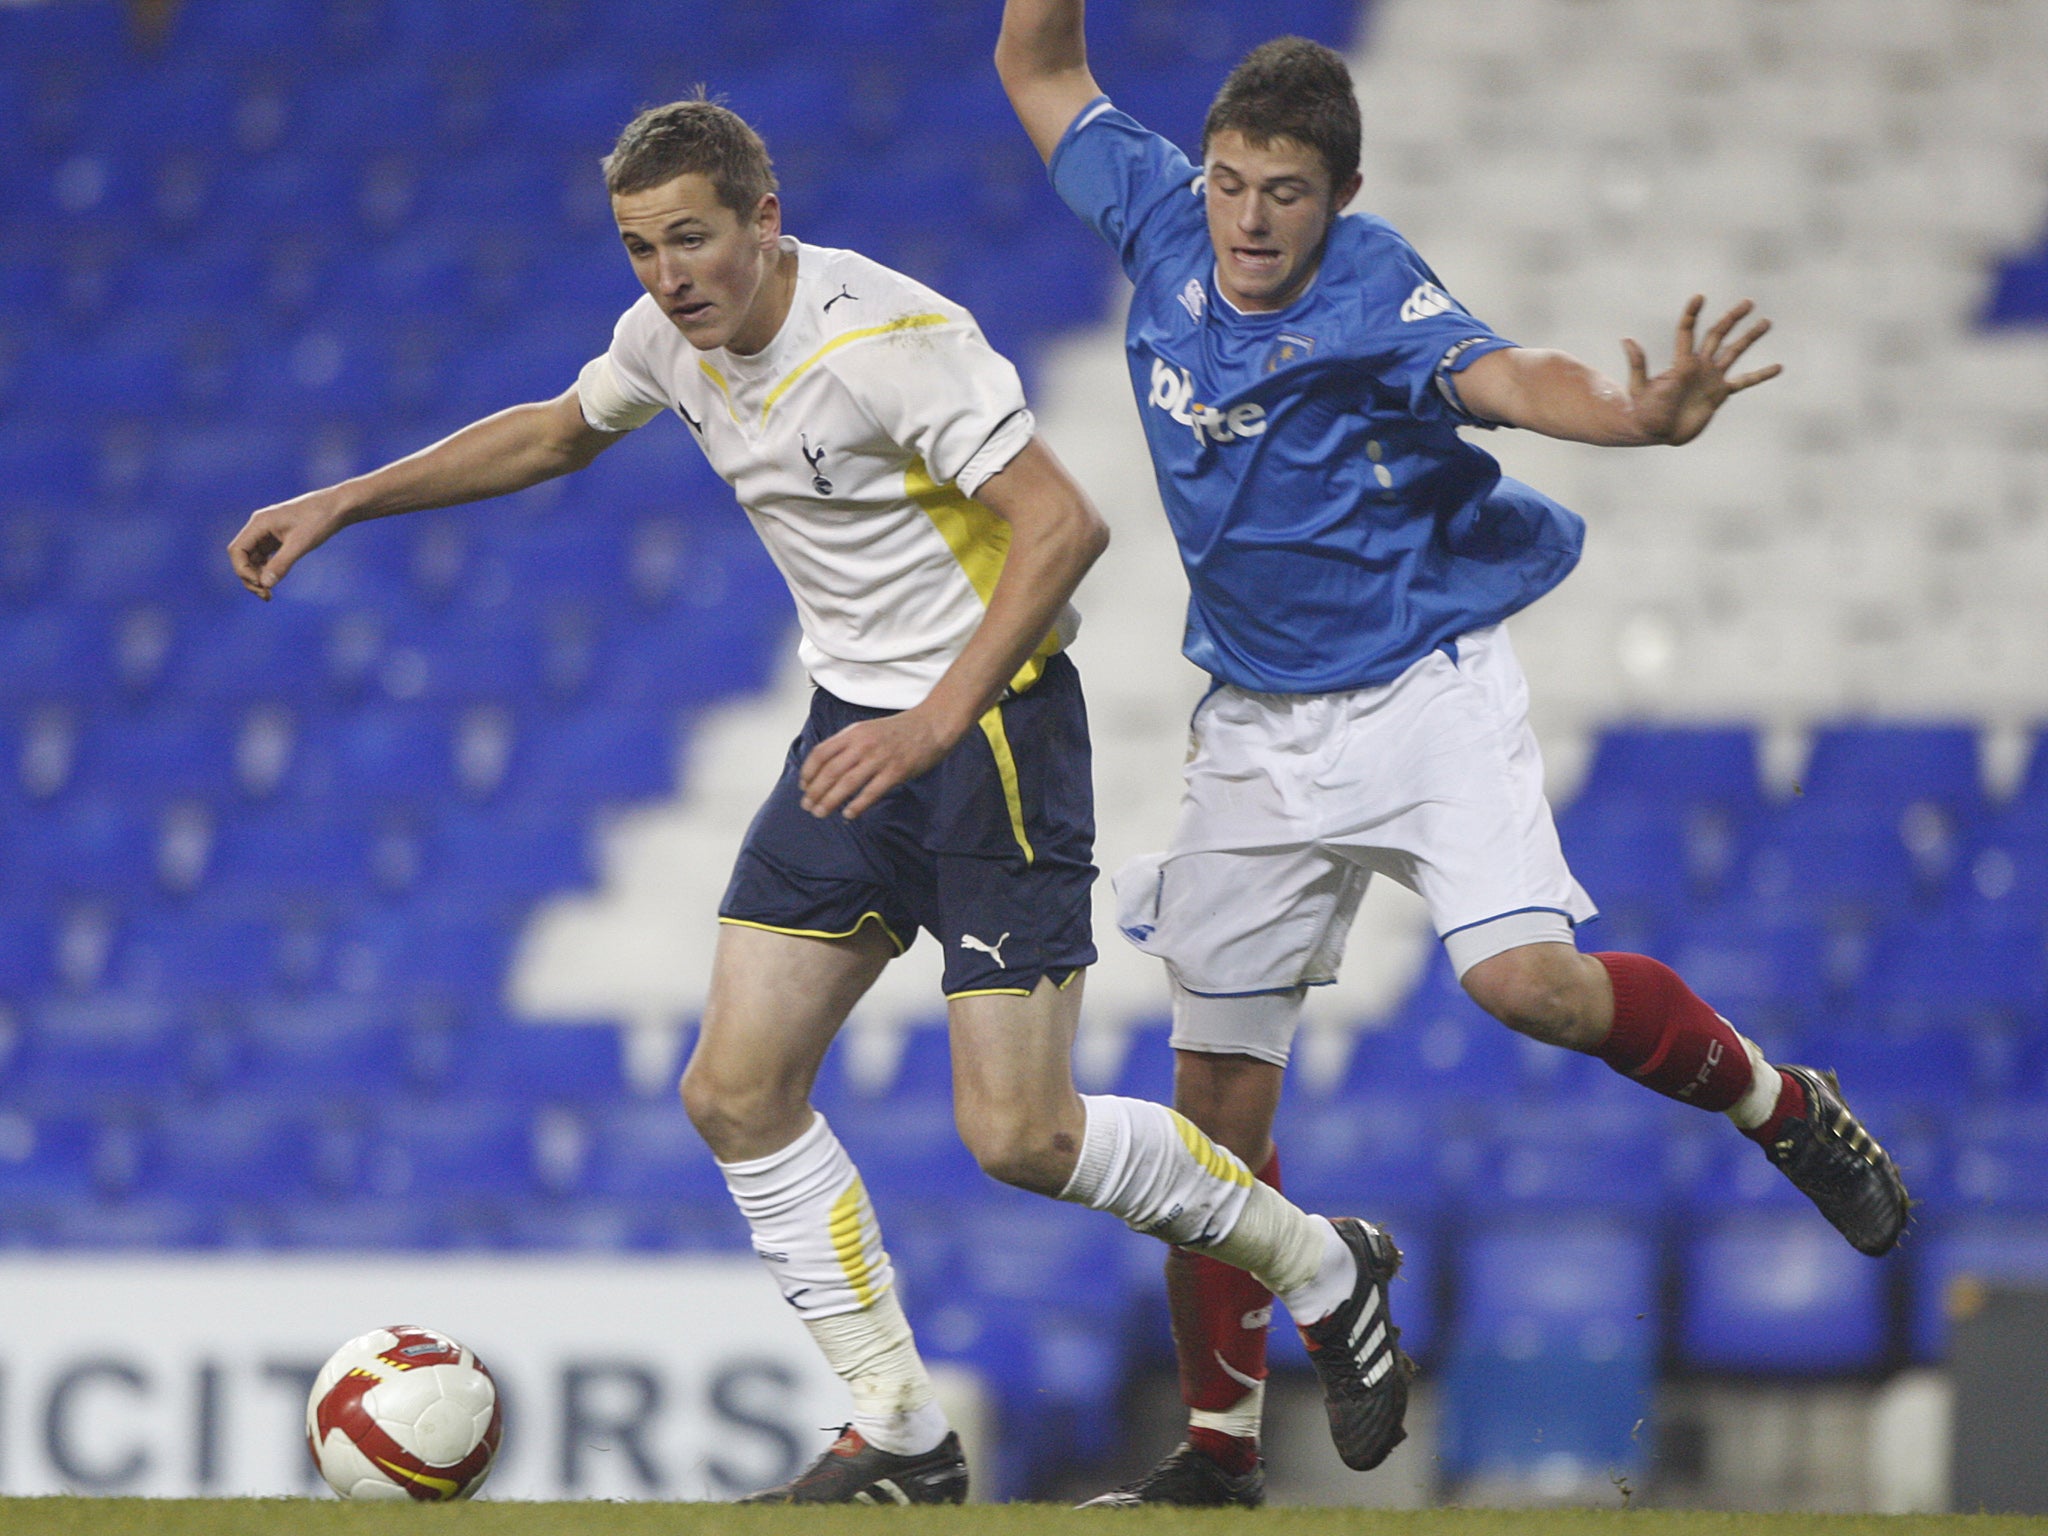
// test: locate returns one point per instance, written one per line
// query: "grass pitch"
(263, 1517)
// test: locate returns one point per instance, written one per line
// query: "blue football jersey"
(1334, 526)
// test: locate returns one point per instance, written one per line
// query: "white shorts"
(1295, 801)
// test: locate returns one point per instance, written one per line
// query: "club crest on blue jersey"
(1287, 348)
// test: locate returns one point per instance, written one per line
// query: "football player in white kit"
(886, 456)
(1301, 377)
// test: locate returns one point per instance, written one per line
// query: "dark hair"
(696, 134)
(1292, 88)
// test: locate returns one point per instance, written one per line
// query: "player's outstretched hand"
(274, 538)
(1675, 406)
(862, 763)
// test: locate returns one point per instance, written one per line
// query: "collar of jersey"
(756, 365)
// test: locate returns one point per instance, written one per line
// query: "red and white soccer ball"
(403, 1413)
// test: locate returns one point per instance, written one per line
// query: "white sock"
(1153, 1168)
(1755, 1106)
(1329, 1287)
(873, 1352)
(1242, 1419)
(816, 1232)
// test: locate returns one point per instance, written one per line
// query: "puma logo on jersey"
(1427, 300)
(1173, 391)
(696, 426)
(818, 481)
(994, 951)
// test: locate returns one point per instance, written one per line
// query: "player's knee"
(1015, 1151)
(1544, 996)
(731, 1113)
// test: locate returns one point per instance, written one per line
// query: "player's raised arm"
(1556, 394)
(500, 454)
(1042, 56)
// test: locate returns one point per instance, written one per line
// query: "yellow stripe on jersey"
(901, 323)
(980, 541)
(724, 388)
(849, 1225)
(1006, 770)
(1215, 1162)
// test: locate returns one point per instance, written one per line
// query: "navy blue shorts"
(990, 852)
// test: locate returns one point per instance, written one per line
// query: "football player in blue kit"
(1302, 375)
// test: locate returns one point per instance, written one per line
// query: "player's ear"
(1345, 193)
(768, 221)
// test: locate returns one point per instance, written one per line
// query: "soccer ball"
(403, 1413)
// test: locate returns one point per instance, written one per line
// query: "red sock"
(1790, 1106)
(1668, 1040)
(1220, 1316)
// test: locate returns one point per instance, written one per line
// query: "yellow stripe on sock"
(849, 1234)
(1216, 1162)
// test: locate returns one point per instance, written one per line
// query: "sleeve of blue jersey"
(1423, 337)
(1119, 176)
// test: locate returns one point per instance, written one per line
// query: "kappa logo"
(1194, 298)
(1173, 391)
(1427, 300)
(994, 951)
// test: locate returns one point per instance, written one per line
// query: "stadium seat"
(1780, 1295)
(1554, 1344)
(1891, 766)
(454, 1148)
(649, 1150)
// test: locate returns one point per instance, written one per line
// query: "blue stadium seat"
(647, 1149)
(89, 846)
(290, 853)
(1952, 970)
(54, 653)
(1891, 766)
(1780, 1295)
(522, 1060)
(1438, 1044)
(1999, 1164)
(382, 754)
(1369, 1153)
(1572, 1160)
(99, 1043)
(1711, 763)
(1553, 1352)
(47, 1155)
(452, 1147)
(324, 1045)
(1763, 974)
(1824, 858)
(239, 1149)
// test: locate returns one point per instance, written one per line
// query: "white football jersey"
(855, 440)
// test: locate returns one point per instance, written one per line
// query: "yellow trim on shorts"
(1215, 1162)
(1057, 986)
(901, 323)
(818, 933)
(849, 1242)
(980, 541)
(1006, 770)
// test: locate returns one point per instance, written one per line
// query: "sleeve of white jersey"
(616, 388)
(943, 393)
